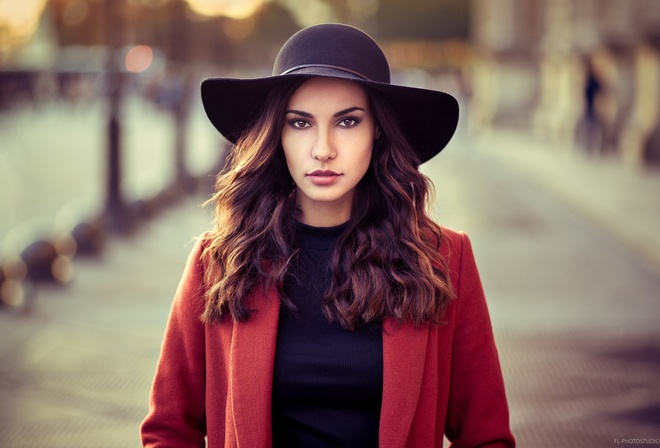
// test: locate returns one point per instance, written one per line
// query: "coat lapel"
(404, 353)
(252, 359)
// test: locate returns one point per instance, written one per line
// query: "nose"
(324, 148)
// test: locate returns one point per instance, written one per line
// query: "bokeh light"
(139, 58)
(18, 21)
(235, 9)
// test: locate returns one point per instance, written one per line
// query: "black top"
(328, 382)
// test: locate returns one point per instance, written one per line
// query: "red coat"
(215, 380)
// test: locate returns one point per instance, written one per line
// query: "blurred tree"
(149, 23)
(178, 41)
(245, 44)
(272, 25)
(390, 19)
(423, 19)
(211, 44)
(354, 12)
(275, 24)
(186, 36)
(80, 22)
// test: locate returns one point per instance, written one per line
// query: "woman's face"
(328, 139)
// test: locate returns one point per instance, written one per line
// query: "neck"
(324, 214)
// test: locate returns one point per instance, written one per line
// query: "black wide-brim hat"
(428, 117)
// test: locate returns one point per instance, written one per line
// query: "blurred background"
(100, 117)
(105, 152)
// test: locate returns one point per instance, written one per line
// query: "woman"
(325, 308)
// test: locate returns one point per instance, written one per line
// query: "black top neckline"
(311, 237)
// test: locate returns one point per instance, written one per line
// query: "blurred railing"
(54, 170)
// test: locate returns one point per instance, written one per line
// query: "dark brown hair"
(385, 264)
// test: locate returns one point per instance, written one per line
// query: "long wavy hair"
(385, 264)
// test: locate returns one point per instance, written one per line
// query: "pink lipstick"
(323, 177)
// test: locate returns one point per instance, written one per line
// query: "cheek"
(294, 143)
(366, 162)
(361, 161)
(290, 161)
(293, 158)
(288, 147)
(364, 152)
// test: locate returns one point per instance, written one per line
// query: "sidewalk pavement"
(579, 329)
(623, 201)
(76, 366)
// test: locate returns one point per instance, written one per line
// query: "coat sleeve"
(176, 415)
(478, 412)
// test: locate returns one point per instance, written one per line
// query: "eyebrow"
(337, 114)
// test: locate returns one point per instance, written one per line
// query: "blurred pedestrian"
(591, 129)
(325, 308)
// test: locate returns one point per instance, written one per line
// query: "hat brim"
(428, 117)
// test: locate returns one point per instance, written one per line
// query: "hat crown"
(337, 46)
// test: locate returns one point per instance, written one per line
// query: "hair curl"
(385, 264)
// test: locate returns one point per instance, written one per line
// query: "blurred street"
(574, 297)
(54, 156)
(106, 155)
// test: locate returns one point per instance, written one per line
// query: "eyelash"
(294, 122)
(355, 121)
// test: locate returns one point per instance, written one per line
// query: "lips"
(323, 177)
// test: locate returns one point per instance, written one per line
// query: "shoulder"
(201, 243)
(195, 266)
(456, 250)
(451, 246)
(453, 242)
(452, 236)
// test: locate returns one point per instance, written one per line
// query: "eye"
(348, 122)
(298, 123)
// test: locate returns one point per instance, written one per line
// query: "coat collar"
(252, 360)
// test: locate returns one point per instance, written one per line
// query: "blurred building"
(584, 72)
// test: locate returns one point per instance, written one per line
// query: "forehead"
(321, 91)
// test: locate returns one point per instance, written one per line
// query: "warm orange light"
(19, 20)
(139, 58)
(235, 9)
